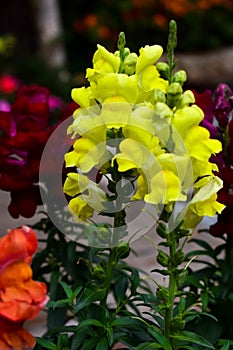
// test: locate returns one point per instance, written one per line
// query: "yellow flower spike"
(75, 184)
(187, 117)
(204, 201)
(165, 188)
(80, 209)
(199, 144)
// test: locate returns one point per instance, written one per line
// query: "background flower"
(25, 129)
(218, 107)
(21, 298)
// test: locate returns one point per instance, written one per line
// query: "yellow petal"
(142, 188)
(204, 201)
(115, 112)
(199, 145)
(75, 184)
(82, 96)
(165, 188)
(186, 118)
(105, 61)
(80, 209)
(148, 56)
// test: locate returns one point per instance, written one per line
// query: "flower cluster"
(21, 298)
(218, 107)
(24, 131)
(159, 143)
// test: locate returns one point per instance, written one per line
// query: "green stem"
(110, 265)
(172, 288)
(113, 255)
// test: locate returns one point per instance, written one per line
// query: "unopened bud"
(174, 92)
(177, 324)
(186, 99)
(159, 96)
(180, 77)
(163, 69)
(130, 63)
(163, 110)
(163, 259)
(123, 250)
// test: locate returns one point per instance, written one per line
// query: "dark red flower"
(224, 224)
(218, 109)
(205, 102)
(24, 132)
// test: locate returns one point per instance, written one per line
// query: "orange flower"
(18, 244)
(13, 336)
(21, 298)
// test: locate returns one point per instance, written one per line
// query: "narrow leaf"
(193, 338)
(161, 339)
(46, 344)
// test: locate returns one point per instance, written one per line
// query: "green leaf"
(147, 346)
(91, 322)
(193, 338)
(59, 303)
(203, 244)
(224, 341)
(102, 345)
(63, 342)
(110, 335)
(89, 296)
(67, 289)
(120, 288)
(135, 280)
(56, 318)
(226, 346)
(46, 344)
(76, 292)
(205, 299)
(161, 339)
(127, 322)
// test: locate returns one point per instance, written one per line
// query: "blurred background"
(51, 42)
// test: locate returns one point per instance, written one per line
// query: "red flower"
(25, 131)
(21, 298)
(218, 107)
(8, 84)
